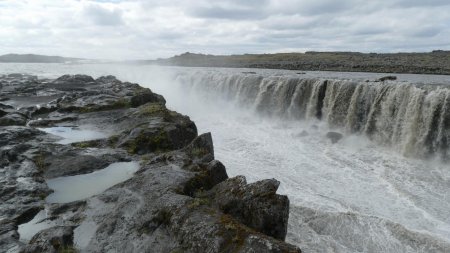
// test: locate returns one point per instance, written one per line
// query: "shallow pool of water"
(74, 134)
(38, 223)
(68, 189)
(72, 188)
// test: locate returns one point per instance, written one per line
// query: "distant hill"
(436, 62)
(34, 58)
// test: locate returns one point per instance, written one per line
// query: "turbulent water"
(366, 193)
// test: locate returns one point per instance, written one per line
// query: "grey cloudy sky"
(145, 29)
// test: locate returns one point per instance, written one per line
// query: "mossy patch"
(237, 231)
(121, 103)
(146, 158)
(157, 110)
(41, 195)
(196, 202)
(67, 249)
(177, 250)
(199, 183)
(39, 161)
(87, 144)
(145, 142)
(198, 152)
(112, 140)
(162, 218)
(152, 109)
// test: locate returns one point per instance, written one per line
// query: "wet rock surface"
(334, 136)
(55, 239)
(180, 200)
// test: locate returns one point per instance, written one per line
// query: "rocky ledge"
(179, 200)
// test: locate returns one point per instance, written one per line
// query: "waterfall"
(414, 119)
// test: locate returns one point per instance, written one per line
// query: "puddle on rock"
(84, 233)
(74, 134)
(38, 223)
(72, 188)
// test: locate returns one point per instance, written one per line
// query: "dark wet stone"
(334, 136)
(2, 113)
(159, 137)
(302, 134)
(54, 240)
(3, 106)
(387, 78)
(256, 205)
(146, 96)
(107, 79)
(27, 215)
(217, 172)
(201, 149)
(75, 79)
(72, 163)
(13, 119)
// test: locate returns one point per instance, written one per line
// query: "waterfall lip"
(416, 79)
(391, 113)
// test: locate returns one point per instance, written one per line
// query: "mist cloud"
(139, 29)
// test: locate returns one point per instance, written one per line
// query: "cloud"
(421, 3)
(103, 16)
(143, 29)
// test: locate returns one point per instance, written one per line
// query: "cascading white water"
(412, 119)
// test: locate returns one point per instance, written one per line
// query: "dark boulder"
(43, 110)
(302, 134)
(256, 205)
(72, 83)
(144, 96)
(201, 149)
(387, 78)
(167, 131)
(75, 79)
(217, 172)
(334, 136)
(107, 79)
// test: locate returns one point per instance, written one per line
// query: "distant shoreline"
(433, 63)
(436, 62)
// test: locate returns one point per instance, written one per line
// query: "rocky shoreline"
(179, 200)
(436, 62)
